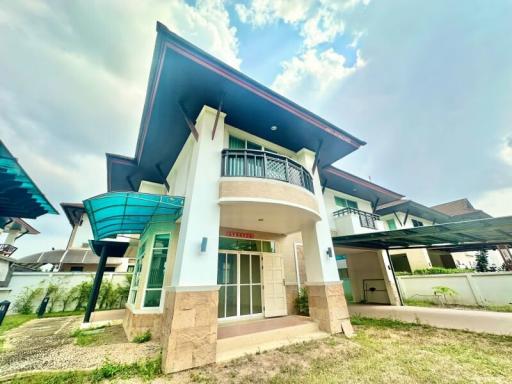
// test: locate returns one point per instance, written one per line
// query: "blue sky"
(428, 84)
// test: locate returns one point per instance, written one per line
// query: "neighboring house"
(13, 228)
(462, 210)
(20, 198)
(78, 256)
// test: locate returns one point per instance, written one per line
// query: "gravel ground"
(46, 344)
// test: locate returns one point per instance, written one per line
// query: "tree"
(482, 261)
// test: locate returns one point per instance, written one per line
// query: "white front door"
(274, 291)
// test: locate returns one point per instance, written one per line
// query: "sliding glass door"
(239, 277)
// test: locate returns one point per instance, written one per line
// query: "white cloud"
(73, 82)
(263, 12)
(313, 73)
(506, 151)
(496, 202)
(322, 27)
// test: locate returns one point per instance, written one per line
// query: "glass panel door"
(239, 277)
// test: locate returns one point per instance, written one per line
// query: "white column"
(320, 268)
(11, 236)
(201, 212)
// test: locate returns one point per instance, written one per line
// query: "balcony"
(265, 192)
(266, 165)
(349, 221)
(7, 249)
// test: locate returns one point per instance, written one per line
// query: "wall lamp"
(204, 243)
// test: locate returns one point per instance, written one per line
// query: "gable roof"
(73, 211)
(183, 79)
(461, 208)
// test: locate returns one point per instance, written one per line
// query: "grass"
(428, 303)
(145, 370)
(142, 338)
(99, 336)
(383, 351)
(13, 321)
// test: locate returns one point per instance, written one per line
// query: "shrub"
(444, 292)
(440, 271)
(482, 261)
(24, 301)
(81, 294)
(302, 303)
(142, 338)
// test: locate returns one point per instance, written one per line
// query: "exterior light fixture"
(204, 243)
(260, 219)
(329, 252)
(273, 128)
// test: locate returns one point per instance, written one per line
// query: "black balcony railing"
(7, 249)
(267, 165)
(366, 219)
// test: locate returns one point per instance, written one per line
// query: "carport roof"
(453, 237)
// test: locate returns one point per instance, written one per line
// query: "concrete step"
(238, 346)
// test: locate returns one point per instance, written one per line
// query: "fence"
(65, 280)
(482, 289)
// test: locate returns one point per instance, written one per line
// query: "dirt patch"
(47, 344)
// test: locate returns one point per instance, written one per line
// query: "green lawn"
(383, 351)
(426, 303)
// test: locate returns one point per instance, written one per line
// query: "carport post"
(394, 277)
(93, 298)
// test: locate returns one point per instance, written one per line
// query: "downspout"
(296, 264)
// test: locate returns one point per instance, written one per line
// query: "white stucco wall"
(4, 268)
(83, 233)
(178, 176)
(490, 288)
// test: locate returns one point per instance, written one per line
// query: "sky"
(427, 84)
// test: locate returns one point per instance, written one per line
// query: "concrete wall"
(66, 280)
(490, 288)
(82, 234)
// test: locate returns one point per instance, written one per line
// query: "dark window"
(417, 223)
(130, 268)
(401, 263)
(110, 269)
(76, 269)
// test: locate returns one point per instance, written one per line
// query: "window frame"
(150, 261)
(345, 203)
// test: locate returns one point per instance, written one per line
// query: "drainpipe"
(394, 278)
(93, 298)
(296, 264)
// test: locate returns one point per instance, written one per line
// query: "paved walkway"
(497, 323)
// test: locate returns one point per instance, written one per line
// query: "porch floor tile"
(241, 328)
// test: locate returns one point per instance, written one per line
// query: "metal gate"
(375, 292)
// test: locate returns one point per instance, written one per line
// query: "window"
(157, 271)
(76, 269)
(130, 268)
(236, 143)
(110, 269)
(345, 203)
(136, 273)
(391, 224)
(416, 223)
(235, 244)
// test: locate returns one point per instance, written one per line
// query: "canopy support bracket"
(189, 122)
(217, 115)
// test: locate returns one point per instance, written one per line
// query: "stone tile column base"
(189, 329)
(137, 323)
(328, 307)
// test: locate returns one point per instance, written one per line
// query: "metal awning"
(19, 195)
(452, 237)
(118, 213)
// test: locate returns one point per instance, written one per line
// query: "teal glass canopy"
(19, 195)
(117, 213)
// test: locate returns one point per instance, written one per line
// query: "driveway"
(497, 323)
(46, 344)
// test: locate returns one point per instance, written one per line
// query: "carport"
(473, 235)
